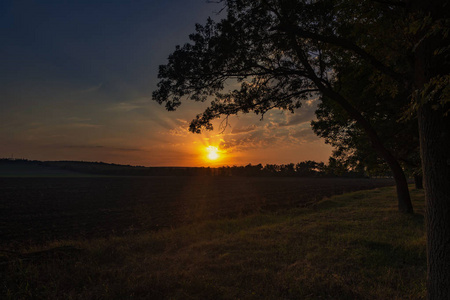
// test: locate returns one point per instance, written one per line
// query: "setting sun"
(212, 153)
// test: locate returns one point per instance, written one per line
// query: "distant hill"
(34, 168)
(28, 168)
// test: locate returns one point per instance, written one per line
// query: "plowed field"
(34, 210)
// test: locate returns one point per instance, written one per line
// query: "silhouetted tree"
(382, 107)
(287, 170)
(283, 51)
(335, 167)
(307, 168)
(271, 169)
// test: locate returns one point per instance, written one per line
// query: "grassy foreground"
(353, 246)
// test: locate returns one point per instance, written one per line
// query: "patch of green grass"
(352, 246)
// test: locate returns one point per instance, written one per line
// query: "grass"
(352, 246)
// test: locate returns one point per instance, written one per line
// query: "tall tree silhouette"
(284, 51)
(281, 52)
(384, 109)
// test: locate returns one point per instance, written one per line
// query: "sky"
(76, 79)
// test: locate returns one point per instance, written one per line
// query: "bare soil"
(37, 210)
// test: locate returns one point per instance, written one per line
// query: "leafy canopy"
(247, 49)
(275, 53)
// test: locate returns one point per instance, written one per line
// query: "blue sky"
(76, 83)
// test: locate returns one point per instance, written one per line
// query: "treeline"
(307, 168)
(303, 169)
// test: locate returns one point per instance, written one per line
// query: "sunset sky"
(76, 84)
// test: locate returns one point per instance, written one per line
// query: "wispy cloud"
(98, 147)
(78, 119)
(124, 107)
(244, 129)
(278, 129)
(180, 129)
(302, 116)
(247, 141)
(302, 135)
(92, 88)
(83, 125)
(127, 106)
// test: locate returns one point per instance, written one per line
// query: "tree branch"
(392, 3)
(341, 42)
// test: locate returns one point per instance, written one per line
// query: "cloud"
(312, 102)
(252, 140)
(278, 129)
(84, 125)
(302, 136)
(92, 88)
(126, 106)
(244, 129)
(301, 116)
(78, 119)
(297, 119)
(180, 128)
(97, 147)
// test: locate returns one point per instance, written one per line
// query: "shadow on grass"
(381, 254)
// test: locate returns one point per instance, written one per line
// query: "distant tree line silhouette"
(308, 168)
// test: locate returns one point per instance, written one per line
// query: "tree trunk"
(403, 196)
(434, 130)
(418, 181)
(404, 199)
(401, 184)
(435, 151)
